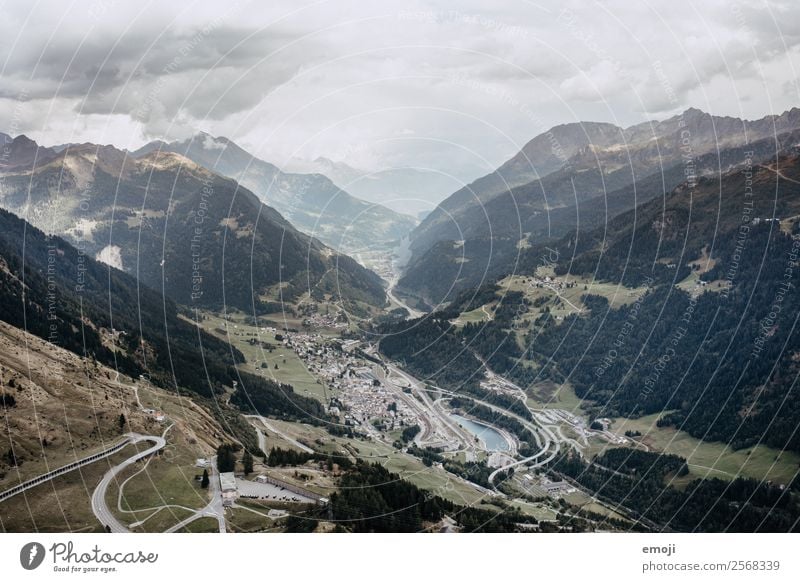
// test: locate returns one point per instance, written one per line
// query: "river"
(400, 256)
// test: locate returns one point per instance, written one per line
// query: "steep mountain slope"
(60, 406)
(693, 220)
(199, 238)
(311, 202)
(572, 162)
(710, 343)
(719, 355)
(596, 183)
(543, 155)
(54, 291)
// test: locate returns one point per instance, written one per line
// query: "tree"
(12, 459)
(204, 481)
(121, 420)
(226, 461)
(247, 461)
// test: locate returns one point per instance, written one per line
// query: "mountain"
(713, 343)
(598, 180)
(543, 155)
(404, 189)
(52, 290)
(64, 403)
(20, 154)
(198, 238)
(684, 308)
(479, 258)
(311, 202)
(597, 158)
(695, 222)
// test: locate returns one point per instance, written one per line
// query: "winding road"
(99, 505)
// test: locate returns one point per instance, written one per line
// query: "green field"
(241, 519)
(479, 315)
(712, 459)
(165, 480)
(202, 525)
(155, 521)
(568, 301)
(290, 368)
(548, 394)
(538, 510)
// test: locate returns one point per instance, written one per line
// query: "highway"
(444, 425)
(544, 435)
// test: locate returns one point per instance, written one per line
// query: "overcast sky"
(455, 86)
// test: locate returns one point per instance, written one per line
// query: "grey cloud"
(490, 63)
(209, 72)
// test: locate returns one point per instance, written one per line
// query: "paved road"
(449, 427)
(262, 440)
(99, 505)
(214, 508)
(7, 494)
(283, 435)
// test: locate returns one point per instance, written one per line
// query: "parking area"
(269, 492)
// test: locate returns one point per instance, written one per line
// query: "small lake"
(493, 440)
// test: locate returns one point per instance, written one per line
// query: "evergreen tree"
(204, 481)
(226, 461)
(247, 461)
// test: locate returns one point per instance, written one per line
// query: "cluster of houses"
(541, 484)
(325, 320)
(549, 282)
(359, 391)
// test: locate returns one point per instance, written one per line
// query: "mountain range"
(408, 190)
(310, 201)
(197, 237)
(575, 174)
(647, 272)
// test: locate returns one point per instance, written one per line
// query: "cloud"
(209, 143)
(415, 83)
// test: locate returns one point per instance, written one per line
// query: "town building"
(228, 488)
